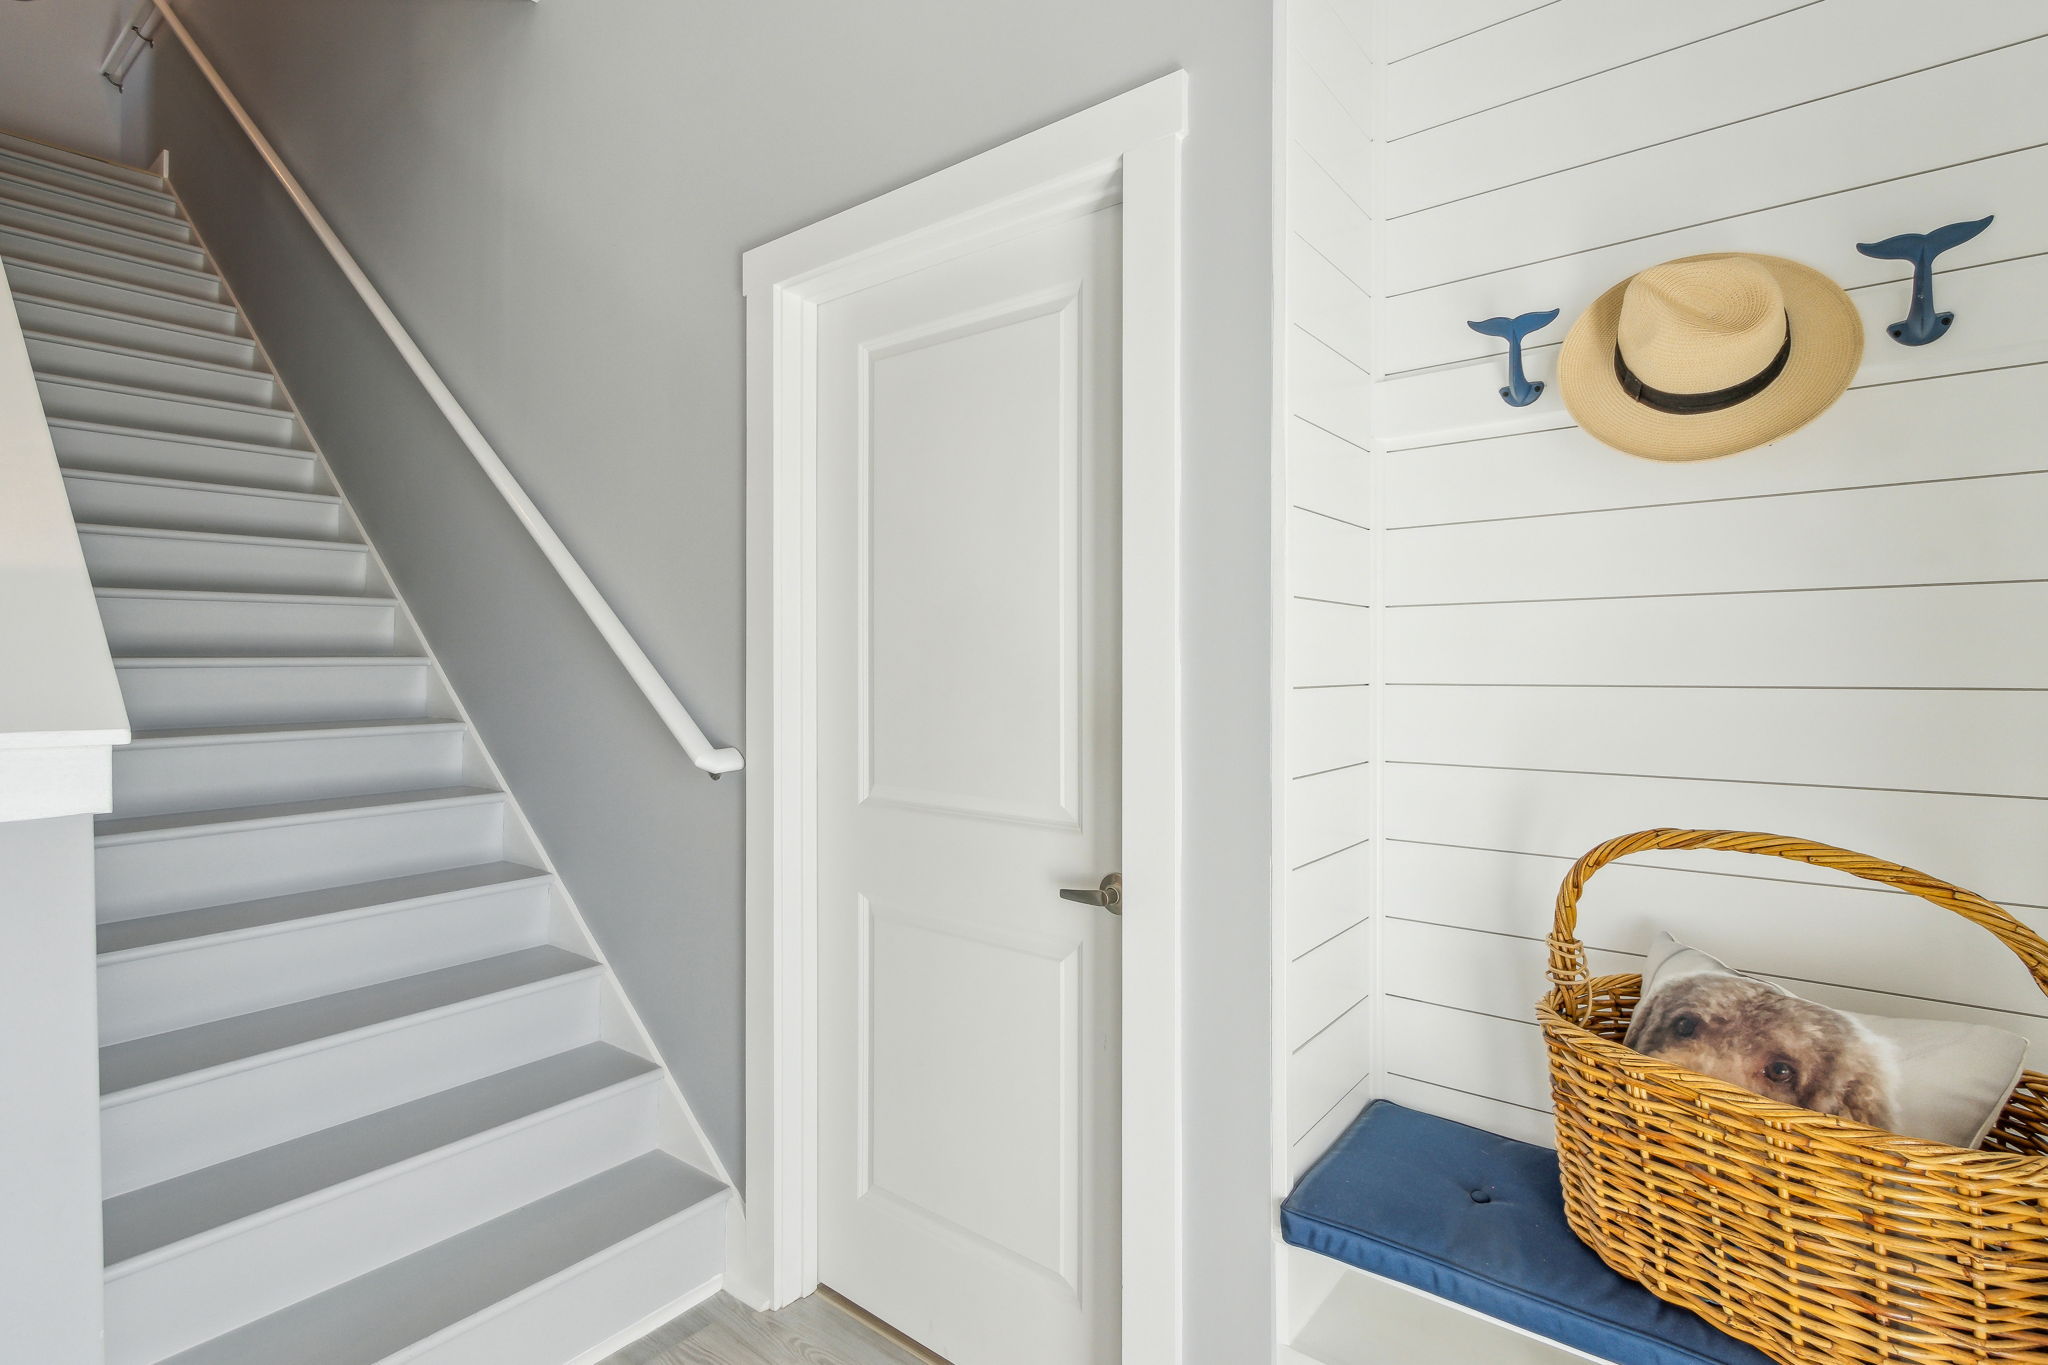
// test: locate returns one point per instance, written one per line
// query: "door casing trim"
(1124, 151)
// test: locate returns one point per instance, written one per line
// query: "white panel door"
(968, 590)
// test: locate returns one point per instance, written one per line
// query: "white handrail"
(657, 691)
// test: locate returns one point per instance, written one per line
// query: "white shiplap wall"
(1327, 1028)
(1839, 636)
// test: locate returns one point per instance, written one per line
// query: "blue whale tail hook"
(1921, 323)
(1519, 393)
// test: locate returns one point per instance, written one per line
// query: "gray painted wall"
(555, 196)
(50, 84)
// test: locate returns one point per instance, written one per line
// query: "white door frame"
(1125, 151)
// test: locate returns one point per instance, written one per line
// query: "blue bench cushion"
(1478, 1219)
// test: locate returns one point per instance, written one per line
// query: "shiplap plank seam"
(1458, 37)
(1471, 436)
(1700, 687)
(1334, 435)
(1348, 1095)
(1858, 88)
(1716, 219)
(1334, 179)
(1329, 516)
(1310, 1130)
(1341, 1016)
(1338, 351)
(1849, 884)
(1356, 283)
(1695, 777)
(1296, 957)
(1709, 593)
(1466, 1009)
(1700, 502)
(1493, 1099)
(1394, 137)
(1325, 857)
(1636, 958)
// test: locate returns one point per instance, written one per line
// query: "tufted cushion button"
(1481, 1197)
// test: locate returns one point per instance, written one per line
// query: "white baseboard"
(659, 1317)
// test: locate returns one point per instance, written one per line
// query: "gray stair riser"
(117, 367)
(59, 223)
(35, 245)
(59, 283)
(588, 1307)
(145, 625)
(186, 869)
(21, 190)
(66, 159)
(144, 560)
(170, 457)
(151, 778)
(73, 180)
(170, 1131)
(163, 696)
(120, 502)
(144, 334)
(179, 1302)
(115, 407)
(156, 991)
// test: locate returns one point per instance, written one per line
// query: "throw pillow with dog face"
(1924, 1078)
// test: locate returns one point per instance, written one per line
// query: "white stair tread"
(194, 273)
(67, 158)
(184, 926)
(166, 227)
(78, 473)
(121, 829)
(197, 400)
(116, 314)
(377, 1315)
(132, 286)
(232, 595)
(179, 437)
(143, 353)
(270, 657)
(89, 177)
(144, 1061)
(35, 178)
(95, 225)
(170, 737)
(108, 528)
(149, 1219)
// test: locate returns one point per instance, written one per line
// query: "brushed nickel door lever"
(1109, 895)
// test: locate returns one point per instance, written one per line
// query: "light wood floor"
(812, 1331)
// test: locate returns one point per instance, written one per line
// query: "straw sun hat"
(1709, 355)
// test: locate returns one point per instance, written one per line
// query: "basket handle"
(1568, 956)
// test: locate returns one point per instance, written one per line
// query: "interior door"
(968, 590)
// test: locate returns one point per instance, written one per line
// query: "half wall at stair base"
(49, 1073)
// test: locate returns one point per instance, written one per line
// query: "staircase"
(368, 1092)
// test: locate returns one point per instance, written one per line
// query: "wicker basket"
(1815, 1239)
